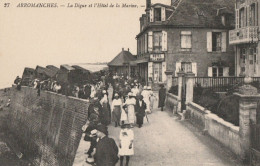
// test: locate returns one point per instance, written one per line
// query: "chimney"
(148, 4)
(128, 49)
(123, 49)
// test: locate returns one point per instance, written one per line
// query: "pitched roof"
(122, 58)
(202, 13)
(53, 68)
(66, 67)
(45, 71)
(77, 67)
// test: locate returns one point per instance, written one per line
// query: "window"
(242, 17)
(252, 14)
(215, 72)
(186, 40)
(243, 55)
(157, 41)
(157, 14)
(216, 41)
(220, 71)
(186, 67)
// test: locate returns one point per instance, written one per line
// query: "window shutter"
(224, 41)
(164, 77)
(145, 43)
(164, 41)
(163, 13)
(256, 13)
(151, 15)
(150, 70)
(209, 41)
(194, 68)
(178, 68)
(247, 16)
(237, 18)
(226, 71)
(150, 41)
(210, 71)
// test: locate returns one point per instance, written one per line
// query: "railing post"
(169, 79)
(248, 98)
(181, 74)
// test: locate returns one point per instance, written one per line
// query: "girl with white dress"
(126, 147)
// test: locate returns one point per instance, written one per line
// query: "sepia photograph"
(129, 83)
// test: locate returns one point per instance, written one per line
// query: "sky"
(43, 36)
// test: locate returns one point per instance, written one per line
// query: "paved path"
(167, 141)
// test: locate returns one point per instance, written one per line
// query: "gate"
(183, 94)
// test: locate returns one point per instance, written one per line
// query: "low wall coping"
(57, 94)
(249, 97)
(173, 96)
(197, 107)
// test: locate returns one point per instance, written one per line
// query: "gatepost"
(248, 98)
(189, 86)
(180, 75)
(169, 79)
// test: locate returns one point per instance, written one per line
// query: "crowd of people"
(83, 90)
(131, 102)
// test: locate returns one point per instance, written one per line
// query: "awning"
(142, 61)
(133, 63)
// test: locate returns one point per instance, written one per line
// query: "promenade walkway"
(167, 141)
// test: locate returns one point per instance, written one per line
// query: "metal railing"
(217, 84)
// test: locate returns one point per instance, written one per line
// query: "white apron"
(126, 136)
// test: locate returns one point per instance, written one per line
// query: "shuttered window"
(216, 41)
(157, 41)
(186, 39)
(157, 14)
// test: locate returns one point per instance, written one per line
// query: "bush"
(174, 90)
(226, 107)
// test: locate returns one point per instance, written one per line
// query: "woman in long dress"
(146, 95)
(106, 108)
(130, 103)
(126, 147)
(116, 109)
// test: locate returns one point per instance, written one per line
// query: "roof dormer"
(160, 12)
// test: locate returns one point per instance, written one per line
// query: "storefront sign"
(156, 57)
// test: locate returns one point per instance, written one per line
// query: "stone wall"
(172, 102)
(47, 127)
(222, 131)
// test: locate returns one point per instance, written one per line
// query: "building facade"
(187, 35)
(245, 38)
(123, 64)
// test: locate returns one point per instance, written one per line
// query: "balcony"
(243, 35)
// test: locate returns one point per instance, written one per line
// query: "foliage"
(225, 106)
(174, 90)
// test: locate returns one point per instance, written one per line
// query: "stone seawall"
(47, 127)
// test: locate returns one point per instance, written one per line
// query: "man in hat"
(106, 149)
(162, 96)
(92, 124)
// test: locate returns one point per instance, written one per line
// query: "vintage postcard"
(129, 83)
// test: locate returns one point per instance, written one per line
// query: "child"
(126, 148)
